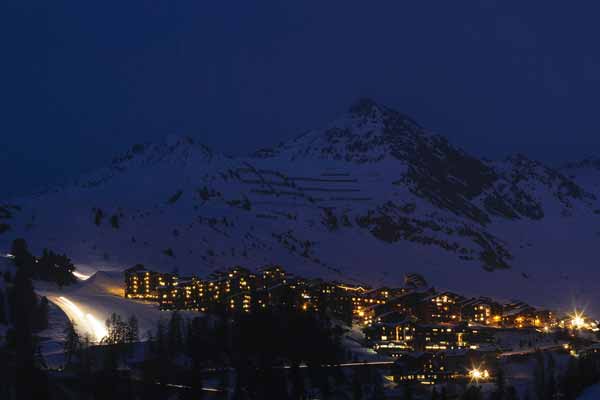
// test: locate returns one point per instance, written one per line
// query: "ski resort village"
(369, 259)
(413, 340)
(432, 336)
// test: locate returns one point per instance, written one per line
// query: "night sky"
(82, 81)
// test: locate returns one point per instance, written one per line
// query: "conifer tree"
(118, 330)
(85, 359)
(540, 379)
(571, 382)
(551, 378)
(175, 333)
(133, 331)
(444, 394)
(407, 391)
(41, 315)
(499, 385)
(23, 307)
(72, 343)
(472, 393)
(297, 381)
(511, 393)
(357, 392)
(22, 257)
(3, 319)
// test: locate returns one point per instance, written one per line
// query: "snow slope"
(368, 198)
(585, 173)
(88, 304)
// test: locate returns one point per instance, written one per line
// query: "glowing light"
(578, 320)
(99, 329)
(72, 307)
(85, 322)
(477, 374)
(81, 276)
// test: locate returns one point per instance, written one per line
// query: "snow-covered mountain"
(368, 198)
(586, 173)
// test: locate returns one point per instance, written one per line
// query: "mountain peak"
(369, 132)
(367, 108)
(173, 147)
(364, 107)
(173, 140)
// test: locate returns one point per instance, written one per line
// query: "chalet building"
(239, 302)
(393, 335)
(222, 286)
(239, 290)
(408, 302)
(330, 298)
(396, 333)
(462, 359)
(390, 292)
(361, 303)
(293, 293)
(363, 297)
(357, 294)
(214, 291)
(412, 302)
(441, 307)
(141, 283)
(521, 315)
(482, 310)
(417, 367)
(357, 290)
(370, 315)
(239, 279)
(273, 275)
(425, 369)
(452, 365)
(395, 327)
(547, 319)
(271, 296)
(228, 291)
(186, 295)
(440, 337)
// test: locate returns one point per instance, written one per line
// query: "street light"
(477, 374)
(578, 320)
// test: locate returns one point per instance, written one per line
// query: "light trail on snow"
(72, 307)
(99, 329)
(80, 276)
(85, 322)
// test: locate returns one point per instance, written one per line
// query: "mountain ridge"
(345, 201)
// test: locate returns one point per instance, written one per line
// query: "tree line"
(22, 366)
(263, 351)
(249, 357)
(50, 266)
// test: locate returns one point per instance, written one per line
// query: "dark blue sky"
(81, 81)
